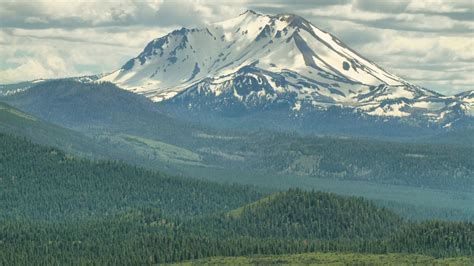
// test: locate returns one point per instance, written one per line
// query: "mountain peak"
(287, 16)
(281, 16)
(250, 12)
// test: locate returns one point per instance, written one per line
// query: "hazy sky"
(427, 42)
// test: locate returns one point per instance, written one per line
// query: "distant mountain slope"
(258, 62)
(97, 107)
(76, 103)
(10, 89)
(458, 137)
(19, 123)
(94, 143)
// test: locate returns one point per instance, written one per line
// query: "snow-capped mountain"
(257, 61)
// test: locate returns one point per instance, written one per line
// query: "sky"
(427, 42)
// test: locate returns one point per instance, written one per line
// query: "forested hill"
(19, 123)
(42, 182)
(90, 107)
(298, 214)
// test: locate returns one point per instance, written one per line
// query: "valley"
(257, 139)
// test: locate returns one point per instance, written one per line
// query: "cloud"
(395, 7)
(52, 53)
(351, 34)
(443, 63)
(85, 14)
(300, 3)
(48, 64)
(403, 21)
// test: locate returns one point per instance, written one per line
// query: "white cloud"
(439, 6)
(34, 20)
(51, 53)
(49, 66)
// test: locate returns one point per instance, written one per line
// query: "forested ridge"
(442, 166)
(42, 182)
(299, 214)
(60, 209)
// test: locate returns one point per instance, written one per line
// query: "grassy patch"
(332, 259)
(163, 150)
(238, 212)
(16, 112)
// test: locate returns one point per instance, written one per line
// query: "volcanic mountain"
(265, 62)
